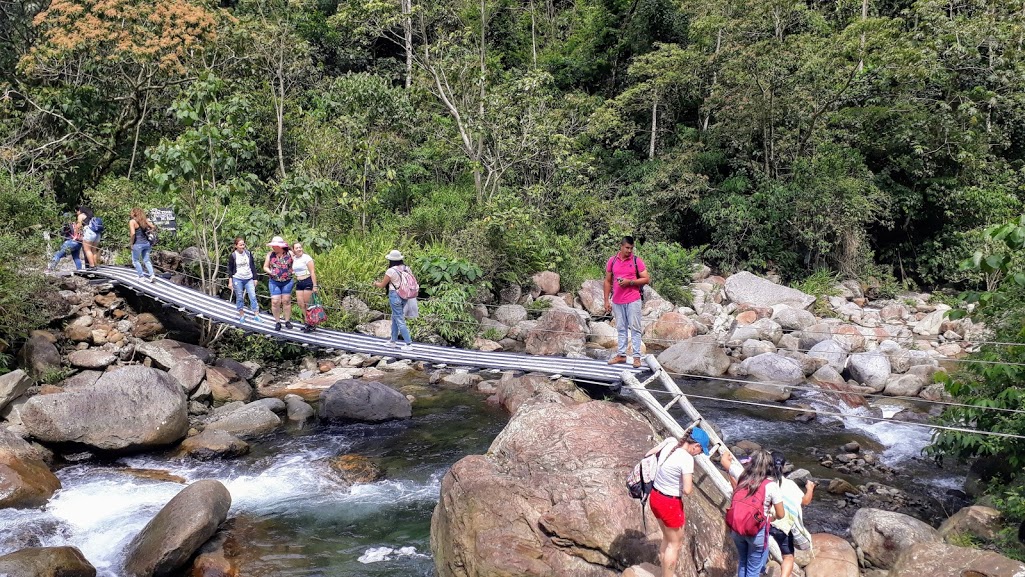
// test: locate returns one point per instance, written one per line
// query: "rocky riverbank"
(548, 498)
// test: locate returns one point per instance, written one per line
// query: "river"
(294, 519)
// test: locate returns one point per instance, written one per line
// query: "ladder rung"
(673, 401)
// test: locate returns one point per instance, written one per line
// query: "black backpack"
(152, 236)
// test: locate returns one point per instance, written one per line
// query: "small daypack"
(408, 287)
(152, 236)
(96, 224)
(746, 515)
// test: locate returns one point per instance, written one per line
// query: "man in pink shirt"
(625, 277)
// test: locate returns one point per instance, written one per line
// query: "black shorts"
(785, 541)
(304, 285)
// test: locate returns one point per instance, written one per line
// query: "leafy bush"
(671, 266)
(354, 263)
(440, 214)
(820, 284)
(448, 313)
(242, 346)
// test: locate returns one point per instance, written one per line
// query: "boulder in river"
(24, 481)
(869, 369)
(46, 562)
(884, 535)
(353, 400)
(981, 522)
(700, 355)
(127, 409)
(832, 352)
(13, 385)
(548, 500)
(214, 444)
(745, 287)
(937, 559)
(187, 521)
(248, 420)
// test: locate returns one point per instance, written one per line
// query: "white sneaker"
(152, 278)
(391, 344)
(406, 347)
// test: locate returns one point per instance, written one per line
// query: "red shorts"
(667, 509)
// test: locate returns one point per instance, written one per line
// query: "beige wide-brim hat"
(394, 255)
(278, 241)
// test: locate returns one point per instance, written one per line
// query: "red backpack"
(746, 515)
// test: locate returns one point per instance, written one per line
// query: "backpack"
(746, 515)
(407, 288)
(641, 480)
(637, 271)
(152, 236)
(96, 224)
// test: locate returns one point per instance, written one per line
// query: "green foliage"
(448, 313)
(671, 266)
(820, 284)
(242, 346)
(354, 263)
(55, 375)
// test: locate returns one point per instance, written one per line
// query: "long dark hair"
(779, 461)
(88, 212)
(392, 263)
(757, 470)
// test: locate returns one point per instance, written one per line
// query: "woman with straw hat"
(278, 266)
(397, 274)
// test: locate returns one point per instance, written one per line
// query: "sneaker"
(256, 319)
(152, 277)
(617, 360)
(242, 319)
(637, 362)
(277, 326)
(307, 329)
(288, 324)
(408, 347)
(391, 344)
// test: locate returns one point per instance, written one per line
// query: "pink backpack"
(746, 515)
(407, 288)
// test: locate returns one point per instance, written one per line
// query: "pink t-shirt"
(620, 268)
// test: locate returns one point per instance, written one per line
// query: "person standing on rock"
(753, 551)
(398, 278)
(625, 277)
(784, 529)
(242, 270)
(138, 226)
(278, 266)
(674, 479)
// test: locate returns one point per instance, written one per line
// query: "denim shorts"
(89, 235)
(281, 287)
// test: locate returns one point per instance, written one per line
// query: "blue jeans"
(628, 317)
(398, 320)
(140, 256)
(245, 287)
(752, 554)
(72, 247)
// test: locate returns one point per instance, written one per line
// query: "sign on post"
(164, 219)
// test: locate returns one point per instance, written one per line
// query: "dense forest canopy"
(870, 138)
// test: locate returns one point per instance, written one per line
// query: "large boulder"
(46, 562)
(981, 522)
(185, 363)
(884, 535)
(700, 355)
(559, 331)
(669, 329)
(761, 330)
(127, 409)
(226, 386)
(510, 315)
(792, 319)
(832, 352)
(39, 356)
(515, 391)
(942, 560)
(352, 400)
(13, 385)
(592, 296)
(250, 420)
(834, 557)
(869, 369)
(904, 385)
(146, 326)
(548, 500)
(931, 323)
(187, 521)
(24, 481)
(774, 368)
(214, 444)
(745, 287)
(546, 282)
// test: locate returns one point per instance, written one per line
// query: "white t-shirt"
(242, 268)
(394, 276)
(674, 467)
(301, 266)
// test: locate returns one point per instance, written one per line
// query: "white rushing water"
(101, 508)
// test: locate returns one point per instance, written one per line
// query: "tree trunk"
(654, 127)
(864, 16)
(279, 106)
(407, 23)
(533, 33)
